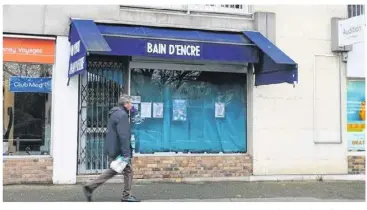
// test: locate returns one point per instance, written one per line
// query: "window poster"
(179, 110)
(136, 99)
(219, 110)
(146, 110)
(157, 110)
(356, 115)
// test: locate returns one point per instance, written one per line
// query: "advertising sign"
(356, 115)
(351, 31)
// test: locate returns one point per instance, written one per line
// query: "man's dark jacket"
(118, 134)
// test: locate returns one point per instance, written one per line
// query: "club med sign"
(351, 31)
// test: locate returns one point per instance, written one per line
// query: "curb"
(342, 177)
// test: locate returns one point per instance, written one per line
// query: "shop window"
(188, 111)
(356, 115)
(26, 108)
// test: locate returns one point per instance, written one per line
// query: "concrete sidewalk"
(306, 191)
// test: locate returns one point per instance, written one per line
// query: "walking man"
(117, 143)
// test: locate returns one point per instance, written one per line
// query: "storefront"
(27, 77)
(356, 110)
(351, 32)
(189, 87)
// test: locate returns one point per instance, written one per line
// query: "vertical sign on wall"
(351, 31)
(78, 53)
(356, 100)
(84, 37)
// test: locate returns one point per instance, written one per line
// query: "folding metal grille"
(99, 89)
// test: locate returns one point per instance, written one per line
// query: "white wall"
(283, 132)
(55, 19)
(356, 61)
(64, 117)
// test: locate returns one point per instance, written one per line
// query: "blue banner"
(30, 84)
(185, 50)
(78, 53)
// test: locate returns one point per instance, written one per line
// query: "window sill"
(168, 154)
(26, 156)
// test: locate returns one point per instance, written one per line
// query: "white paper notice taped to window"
(157, 110)
(136, 99)
(219, 110)
(146, 110)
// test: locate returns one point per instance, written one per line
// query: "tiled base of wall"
(356, 164)
(168, 167)
(39, 170)
(27, 170)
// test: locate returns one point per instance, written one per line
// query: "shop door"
(99, 90)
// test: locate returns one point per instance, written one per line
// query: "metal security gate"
(99, 89)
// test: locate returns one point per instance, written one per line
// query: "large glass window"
(188, 111)
(26, 108)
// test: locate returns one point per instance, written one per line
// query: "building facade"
(356, 82)
(263, 95)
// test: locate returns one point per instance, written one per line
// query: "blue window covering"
(201, 131)
(268, 72)
(274, 65)
(89, 35)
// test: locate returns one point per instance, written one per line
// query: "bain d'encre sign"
(159, 48)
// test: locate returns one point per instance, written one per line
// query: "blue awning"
(84, 37)
(274, 65)
(182, 44)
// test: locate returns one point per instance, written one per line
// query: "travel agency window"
(189, 110)
(27, 69)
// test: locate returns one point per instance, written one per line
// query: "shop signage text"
(78, 56)
(28, 50)
(78, 64)
(31, 51)
(182, 50)
(30, 84)
(173, 49)
(351, 31)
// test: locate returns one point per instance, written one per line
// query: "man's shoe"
(129, 198)
(87, 193)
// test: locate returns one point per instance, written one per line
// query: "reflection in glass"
(27, 115)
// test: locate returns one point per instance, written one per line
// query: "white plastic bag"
(119, 164)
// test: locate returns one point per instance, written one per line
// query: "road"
(305, 191)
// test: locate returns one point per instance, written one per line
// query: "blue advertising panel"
(30, 84)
